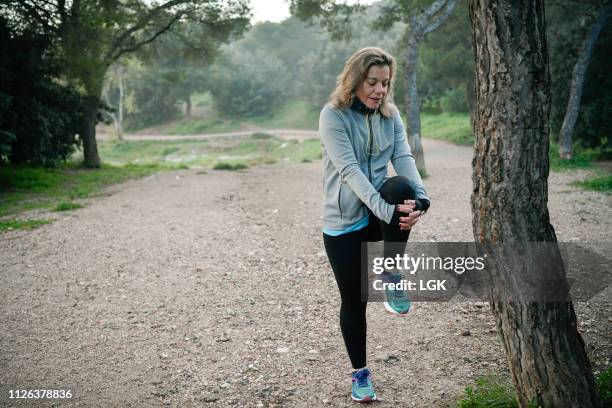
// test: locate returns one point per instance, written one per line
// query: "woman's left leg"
(395, 191)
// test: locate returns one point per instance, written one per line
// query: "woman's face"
(375, 86)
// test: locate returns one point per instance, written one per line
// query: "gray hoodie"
(352, 177)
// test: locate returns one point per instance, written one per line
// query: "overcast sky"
(269, 10)
(278, 10)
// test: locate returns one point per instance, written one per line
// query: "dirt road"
(186, 289)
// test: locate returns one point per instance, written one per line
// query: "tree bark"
(188, 107)
(411, 100)
(119, 122)
(578, 75)
(88, 132)
(548, 363)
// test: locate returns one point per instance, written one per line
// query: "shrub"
(229, 166)
(39, 117)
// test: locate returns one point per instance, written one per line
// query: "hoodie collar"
(361, 107)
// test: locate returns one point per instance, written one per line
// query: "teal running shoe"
(363, 389)
(396, 301)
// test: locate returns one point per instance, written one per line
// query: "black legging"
(344, 253)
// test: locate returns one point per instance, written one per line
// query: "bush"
(39, 117)
(249, 85)
(67, 206)
(453, 100)
(450, 101)
(153, 98)
(604, 383)
(229, 166)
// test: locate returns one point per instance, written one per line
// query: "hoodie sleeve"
(339, 148)
(403, 161)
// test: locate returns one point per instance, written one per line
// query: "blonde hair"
(354, 73)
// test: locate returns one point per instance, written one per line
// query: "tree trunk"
(411, 100)
(578, 75)
(188, 106)
(421, 24)
(88, 132)
(119, 122)
(546, 355)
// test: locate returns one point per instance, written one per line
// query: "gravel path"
(212, 289)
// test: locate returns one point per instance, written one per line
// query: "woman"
(361, 132)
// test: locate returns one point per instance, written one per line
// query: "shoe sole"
(389, 309)
(364, 399)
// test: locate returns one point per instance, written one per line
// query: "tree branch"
(115, 56)
(442, 17)
(434, 8)
(117, 43)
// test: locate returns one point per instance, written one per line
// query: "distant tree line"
(276, 62)
(56, 56)
(67, 80)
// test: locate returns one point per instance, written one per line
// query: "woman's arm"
(338, 146)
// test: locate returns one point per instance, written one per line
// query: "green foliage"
(453, 127)
(582, 158)
(8, 225)
(446, 65)
(260, 135)
(23, 178)
(319, 69)
(230, 166)
(604, 383)
(491, 391)
(280, 40)
(211, 124)
(25, 188)
(249, 84)
(67, 206)
(601, 183)
(39, 118)
(450, 101)
(154, 97)
(453, 100)
(294, 114)
(498, 392)
(207, 153)
(567, 28)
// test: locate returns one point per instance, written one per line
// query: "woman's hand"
(411, 216)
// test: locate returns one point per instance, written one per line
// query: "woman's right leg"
(344, 254)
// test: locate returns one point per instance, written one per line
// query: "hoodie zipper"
(340, 195)
(369, 148)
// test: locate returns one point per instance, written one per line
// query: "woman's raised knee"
(396, 190)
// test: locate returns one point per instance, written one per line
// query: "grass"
(202, 99)
(195, 126)
(8, 225)
(26, 188)
(498, 392)
(452, 127)
(259, 148)
(601, 183)
(292, 115)
(582, 158)
(489, 391)
(604, 383)
(67, 206)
